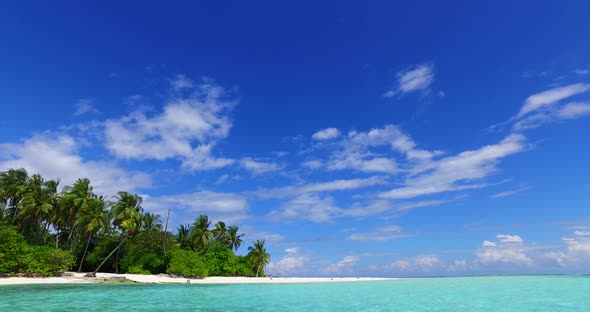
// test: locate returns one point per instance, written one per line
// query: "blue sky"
(379, 139)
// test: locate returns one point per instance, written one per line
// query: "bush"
(145, 253)
(47, 261)
(13, 249)
(221, 261)
(18, 257)
(187, 263)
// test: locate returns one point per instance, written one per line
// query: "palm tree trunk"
(70, 236)
(117, 261)
(93, 274)
(164, 238)
(46, 230)
(57, 238)
(84, 254)
(257, 268)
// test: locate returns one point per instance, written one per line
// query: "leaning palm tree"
(127, 212)
(219, 232)
(201, 236)
(233, 239)
(259, 256)
(93, 219)
(151, 222)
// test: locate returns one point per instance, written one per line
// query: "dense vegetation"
(45, 231)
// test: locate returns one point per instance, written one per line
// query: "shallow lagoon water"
(502, 293)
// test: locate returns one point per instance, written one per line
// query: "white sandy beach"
(163, 279)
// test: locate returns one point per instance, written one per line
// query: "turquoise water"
(518, 293)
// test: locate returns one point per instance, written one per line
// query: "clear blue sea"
(516, 293)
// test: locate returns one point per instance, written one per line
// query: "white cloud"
(574, 110)
(419, 264)
(182, 82)
(200, 159)
(222, 179)
(186, 129)
(546, 107)
(487, 243)
(315, 208)
(380, 234)
(401, 265)
(458, 266)
(509, 239)
(291, 263)
(84, 106)
(228, 207)
(355, 152)
(550, 97)
(458, 172)
(259, 167)
(336, 185)
(416, 78)
(326, 134)
(312, 164)
(508, 193)
(344, 266)
(509, 250)
(58, 156)
(310, 207)
(577, 253)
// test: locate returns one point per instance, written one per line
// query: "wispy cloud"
(219, 206)
(415, 78)
(380, 234)
(331, 186)
(259, 167)
(547, 106)
(343, 266)
(84, 106)
(458, 172)
(326, 134)
(509, 192)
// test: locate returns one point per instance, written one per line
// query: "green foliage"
(12, 251)
(47, 261)
(221, 261)
(145, 253)
(106, 243)
(107, 234)
(259, 257)
(18, 257)
(187, 263)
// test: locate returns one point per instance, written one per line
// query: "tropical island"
(45, 231)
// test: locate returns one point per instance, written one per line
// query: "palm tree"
(12, 185)
(233, 239)
(127, 212)
(219, 232)
(151, 222)
(259, 256)
(93, 219)
(201, 236)
(38, 202)
(75, 200)
(184, 236)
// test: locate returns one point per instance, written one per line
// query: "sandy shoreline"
(163, 279)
